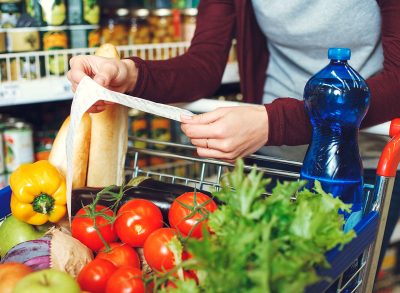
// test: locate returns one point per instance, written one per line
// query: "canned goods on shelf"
(3, 124)
(43, 141)
(18, 140)
(55, 38)
(139, 32)
(49, 12)
(83, 12)
(10, 12)
(188, 24)
(85, 36)
(24, 39)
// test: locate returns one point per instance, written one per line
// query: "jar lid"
(140, 13)
(190, 11)
(162, 12)
(122, 12)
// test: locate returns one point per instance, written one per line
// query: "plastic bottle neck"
(338, 62)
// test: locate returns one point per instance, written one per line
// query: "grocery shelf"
(34, 77)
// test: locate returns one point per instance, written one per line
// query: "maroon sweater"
(198, 73)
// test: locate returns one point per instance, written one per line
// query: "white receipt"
(88, 93)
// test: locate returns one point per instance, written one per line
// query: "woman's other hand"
(116, 75)
(228, 133)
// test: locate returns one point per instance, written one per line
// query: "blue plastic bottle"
(336, 100)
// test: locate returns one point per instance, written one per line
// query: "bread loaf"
(58, 154)
(109, 139)
(100, 143)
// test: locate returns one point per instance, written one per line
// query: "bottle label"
(352, 220)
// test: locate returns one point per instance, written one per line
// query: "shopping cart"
(178, 164)
(181, 166)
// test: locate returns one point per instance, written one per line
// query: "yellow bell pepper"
(38, 193)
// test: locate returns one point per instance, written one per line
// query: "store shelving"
(34, 77)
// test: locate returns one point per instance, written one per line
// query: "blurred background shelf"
(40, 76)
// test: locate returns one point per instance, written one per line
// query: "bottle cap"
(339, 53)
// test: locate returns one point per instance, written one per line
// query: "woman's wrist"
(132, 74)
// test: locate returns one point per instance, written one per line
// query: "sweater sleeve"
(198, 72)
(288, 121)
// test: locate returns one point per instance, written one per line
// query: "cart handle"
(390, 157)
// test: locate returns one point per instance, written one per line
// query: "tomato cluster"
(137, 224)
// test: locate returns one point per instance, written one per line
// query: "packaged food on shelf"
(18, 141)
(157, 4)
(161, 130)
(139, 32)
(43, 141)
(28, 68)
(55, 38)
(49, 12)
(3, 47)
(162, 26)
(138, 126)
(188, 23)
(115, 27)
(10, 11)
(85, 36)
(84, 12)
(24, 39)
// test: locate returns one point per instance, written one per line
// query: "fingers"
(111, 73)
(204, 118)
(212, 153)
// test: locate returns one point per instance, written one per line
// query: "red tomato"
(178, 213)
(83, 228)
(126, 280)
(94, 276)
(156, 252)
(120, 254)
(136, 219)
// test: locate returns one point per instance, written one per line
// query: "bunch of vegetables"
(248, 243)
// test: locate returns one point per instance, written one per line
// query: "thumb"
(204, 118)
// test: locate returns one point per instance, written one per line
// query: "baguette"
(58, 153)
(109, 139)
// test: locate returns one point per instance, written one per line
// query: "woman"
(280, 44)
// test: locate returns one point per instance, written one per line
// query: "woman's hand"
(228, 133)
(116, 75)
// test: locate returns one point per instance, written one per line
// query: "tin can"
(43, 142)
(3, 124)
(4, 180)
(10, 12)
(85, 36)
(49, 12)
(18, 140)
(84, 12)
(24, 39)
(55, 38)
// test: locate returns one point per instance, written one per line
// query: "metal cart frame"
(363, 250)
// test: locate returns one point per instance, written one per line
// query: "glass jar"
(115, 29)
(161, 26)
(188, 24)
(139, 32)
